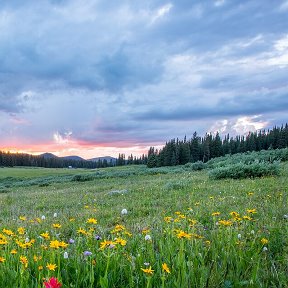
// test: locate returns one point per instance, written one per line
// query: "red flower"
(52, 283)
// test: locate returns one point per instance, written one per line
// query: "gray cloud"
(139, 71)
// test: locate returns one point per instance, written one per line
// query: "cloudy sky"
(96, 77)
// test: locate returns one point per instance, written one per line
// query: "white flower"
(27, 240)
(239, 236)
(43, 217)
(265, 249)
(55, 215)
(252, 232)
(148, 237)
(124, 212)
(285, 216)
(66, 256)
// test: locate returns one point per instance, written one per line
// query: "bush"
(242, 170)
(197, 166)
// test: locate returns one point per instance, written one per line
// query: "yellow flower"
(118, 228)
(252, 211)
(72, 219)
(92, 221)
(245, 217)
(22, 218)
(8, 232)
(165, 268)
(51, 266)
(225, 222)
(106, 243)
(45, 235)
(82, 231)
(40, 267)
(250, 193)
(13, 251)
(24, 261)
(234, 214)
(148, 271)
(56, 225)
(181, 234)
(21, 230)
(216, 213)
(168, 219)
(264, 241)
(2, 259)
(120, 241)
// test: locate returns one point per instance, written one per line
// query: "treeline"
(180, 152)
(8, 159)
(131, 160)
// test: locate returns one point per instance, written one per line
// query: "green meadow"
(182, 228)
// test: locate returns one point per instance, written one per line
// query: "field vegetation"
(138, 227)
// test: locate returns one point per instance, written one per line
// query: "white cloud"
(62, 138)
(161, 12)
(284, 6)
(219, 3)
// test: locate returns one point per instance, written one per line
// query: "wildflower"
(124, 212)
(13, 251)
(2, 259)
(45, 235)
(97, 237)
(21, 231)
(87, 253)
(51, 267)
(40, 267)
(265, 249)
(165, 268)
(118, 228)
(234, 214)
(24, 261)
(52, 283)
(216, 213)
(56, 225)
(22, 218)
(225, 222)
(252, 211)
(148, 271)
(120, 241)
(239, 236)
(181, 234)
(250, 193)
(71, 241)
(82, 231)
(55, 215)
(92, 221)
(264, 241)
(65, 255)
(245, 217)
(8, 232)
(106, 243)
(43, 217)
(168, 219)
(252, 232)
(285, 216)
(71, 219)
(148, 237)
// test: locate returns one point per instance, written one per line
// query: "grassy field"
(182, 229)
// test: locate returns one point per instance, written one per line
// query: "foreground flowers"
(52, 283)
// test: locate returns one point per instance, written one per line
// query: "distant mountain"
(48, 155)
(77, 158)
(107, 158)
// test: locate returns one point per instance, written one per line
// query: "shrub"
(197, 166)
(242, 170)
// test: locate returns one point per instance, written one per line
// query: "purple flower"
(87, 253)
(98, 237)
(71, 241)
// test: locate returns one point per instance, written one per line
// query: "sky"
(95, 77)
